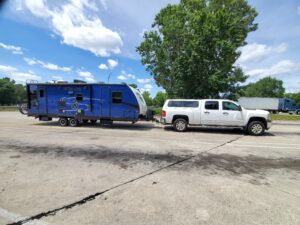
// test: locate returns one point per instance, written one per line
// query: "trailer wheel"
(73, 122)
(256, 128)
(63, 121)
(180, 125)
(93, 121)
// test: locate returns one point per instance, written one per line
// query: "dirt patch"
(122, 158)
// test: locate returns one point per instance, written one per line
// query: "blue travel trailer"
(81, 102)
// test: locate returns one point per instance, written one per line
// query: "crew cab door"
(231, 114)
(211, 113)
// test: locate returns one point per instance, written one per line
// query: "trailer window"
(79, 97)
(212, 105)
(116, 97)
(41, 93)
(33, 95)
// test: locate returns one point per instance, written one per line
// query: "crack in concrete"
(93, 196)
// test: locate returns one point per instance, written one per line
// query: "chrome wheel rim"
(72, 122)
(180, 125)
(256, 129)
(63, 122)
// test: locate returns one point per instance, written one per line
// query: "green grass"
(8, 109)
(285, 117)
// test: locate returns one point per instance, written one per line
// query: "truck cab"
(182, 113)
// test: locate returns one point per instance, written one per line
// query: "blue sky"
(88, 40)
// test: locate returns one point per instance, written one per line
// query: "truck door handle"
(225, 113)
(206, 112)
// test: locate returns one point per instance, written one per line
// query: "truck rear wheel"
(63, 121)
(180, 125)
(73, 122)
(256, 128)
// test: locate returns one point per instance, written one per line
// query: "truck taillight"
(164, 113)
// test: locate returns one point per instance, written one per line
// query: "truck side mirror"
(240, 108)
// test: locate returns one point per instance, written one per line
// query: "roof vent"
(79, 82)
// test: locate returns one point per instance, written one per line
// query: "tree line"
(11, 93)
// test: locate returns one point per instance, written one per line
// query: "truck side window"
(41, 93)
(230, 106)
(116, 97)
(79, 97)
(212, 105)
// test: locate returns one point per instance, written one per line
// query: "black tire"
(93, 121)
(63, 122)
(256, 128)
(180, 125)
(73, 122)
(298, 112)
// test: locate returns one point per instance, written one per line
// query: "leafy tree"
(10, 92)
(266, 87)
(133, 85)
(147, 97)
(294, 96)
(160, 99)
(193, 46)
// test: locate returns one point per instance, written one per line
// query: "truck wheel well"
(263, 120)
(180, 117)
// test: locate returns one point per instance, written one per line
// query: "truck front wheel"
(180, 125)
(256, 128)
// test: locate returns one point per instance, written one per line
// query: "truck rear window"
(187, 104)
(212, 105)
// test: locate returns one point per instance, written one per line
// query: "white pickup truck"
(182, 113)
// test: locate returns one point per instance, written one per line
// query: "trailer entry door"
(105, 102)
(42, 100)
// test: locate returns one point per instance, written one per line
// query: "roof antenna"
(108, 77)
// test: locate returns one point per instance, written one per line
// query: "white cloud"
(148, 86)
(23, 77)
(58, 78)
(103, 67)
(88, 76)
(255, 52)
(280, 68)
(143, 32)
(13, 49)
(125, 76)
(47, 65)
(79, 25)
(143, 80)
(112, 63)
(7, 69)
(131, 76)
(19, 77)
(104, 4)
(122, 77)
